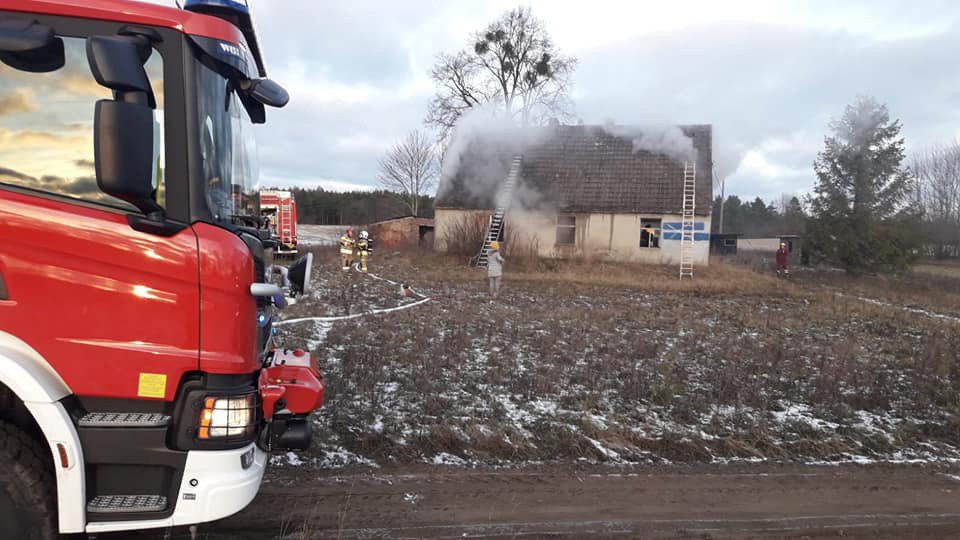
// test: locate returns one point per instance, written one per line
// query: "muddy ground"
(746, 501)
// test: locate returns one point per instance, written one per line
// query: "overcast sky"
(768, 75)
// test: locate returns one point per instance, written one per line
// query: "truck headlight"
(227, 417)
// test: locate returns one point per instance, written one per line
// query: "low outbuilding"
(402, 232)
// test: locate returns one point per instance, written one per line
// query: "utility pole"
(723, 200)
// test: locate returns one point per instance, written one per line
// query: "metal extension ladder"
(285, 226)
(688, 222)
(504, 196)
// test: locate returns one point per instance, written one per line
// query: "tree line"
(320, 207)
(937, 196)
(758, 217)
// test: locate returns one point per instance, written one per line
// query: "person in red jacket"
(783, 254)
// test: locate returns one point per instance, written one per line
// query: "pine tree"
(794, 218)
(862, 219)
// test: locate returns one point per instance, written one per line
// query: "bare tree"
(937, 173)
(410, 169)
(512, 64)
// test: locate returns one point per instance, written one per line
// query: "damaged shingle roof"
(584, 169)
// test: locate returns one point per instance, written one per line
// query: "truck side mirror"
(29, 46)
(267, 91)
(117, 63)
(255, 93)
(123, 127)
(123, 151)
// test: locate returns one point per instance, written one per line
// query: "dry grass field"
(592, 362)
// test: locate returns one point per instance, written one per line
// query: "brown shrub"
(465, 236)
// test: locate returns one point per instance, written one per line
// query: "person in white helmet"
(364, 247)
(783, 257)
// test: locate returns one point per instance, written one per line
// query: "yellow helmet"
(494, 245)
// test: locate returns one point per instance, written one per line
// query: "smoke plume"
(479, 153)
(670, 141)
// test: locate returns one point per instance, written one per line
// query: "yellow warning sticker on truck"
(152, 385)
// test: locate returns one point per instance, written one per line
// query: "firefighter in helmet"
(364, 247)
(346, 249)
(783, 257)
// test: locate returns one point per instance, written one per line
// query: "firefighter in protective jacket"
(364, 247)
(346, 249)
(783, 257)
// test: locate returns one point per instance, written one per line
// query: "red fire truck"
(139, 387)
(279, 212)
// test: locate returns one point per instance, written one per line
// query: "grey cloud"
(84, 186)
(761, 83)
(303, 140)
(19, 101)
(12, 174)
(347, 41)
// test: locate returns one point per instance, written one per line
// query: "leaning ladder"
(504, 197)
(687, 222)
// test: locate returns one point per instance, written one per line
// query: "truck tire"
(27, 487)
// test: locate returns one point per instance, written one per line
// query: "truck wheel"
(27, 486)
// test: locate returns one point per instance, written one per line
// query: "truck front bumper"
(216, 484)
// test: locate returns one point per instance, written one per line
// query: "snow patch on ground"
(798, 412)
(444, 458)
(321, 329)
(914, 310)
(329, 457)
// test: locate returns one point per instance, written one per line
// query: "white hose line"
(356, 267)
(423, 299)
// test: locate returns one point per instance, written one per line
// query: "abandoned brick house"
(582, 190)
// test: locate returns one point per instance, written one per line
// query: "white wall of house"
(603, 235)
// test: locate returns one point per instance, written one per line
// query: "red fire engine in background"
(139, 386)
(279, 212)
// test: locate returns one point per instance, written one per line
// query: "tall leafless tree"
(937, 174)
(512, 64)
(410, 169)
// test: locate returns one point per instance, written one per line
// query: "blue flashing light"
(261, 319)
(235, 5)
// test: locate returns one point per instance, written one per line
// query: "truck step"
(126, 420)
(113, 504)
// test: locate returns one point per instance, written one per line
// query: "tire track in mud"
(693, 501)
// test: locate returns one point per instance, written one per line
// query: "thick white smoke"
(481, 132)
(490, 141)
(668, 140)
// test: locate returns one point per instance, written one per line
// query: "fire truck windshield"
(228, 148)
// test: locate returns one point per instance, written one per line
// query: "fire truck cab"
(139, 386)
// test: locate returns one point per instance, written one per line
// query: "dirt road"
(697, 502)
